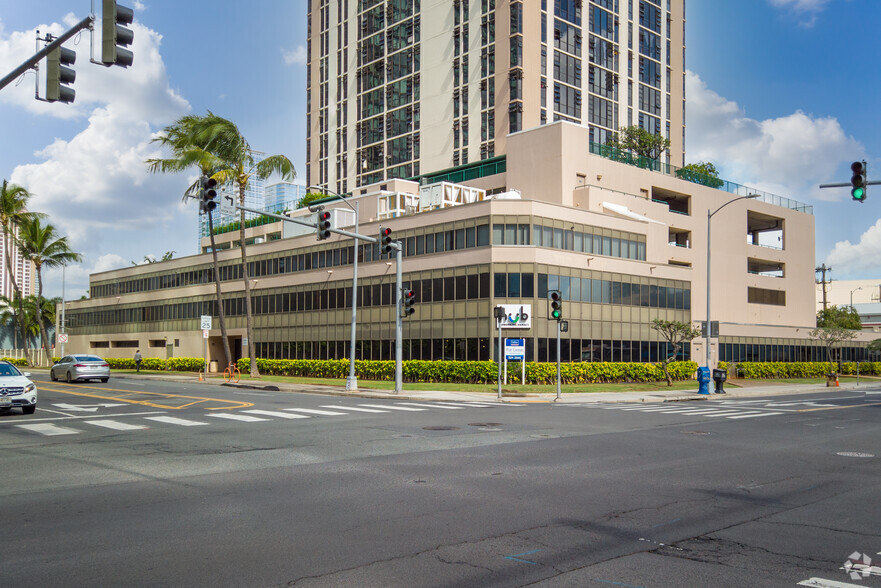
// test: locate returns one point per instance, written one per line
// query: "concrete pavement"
(744, 388)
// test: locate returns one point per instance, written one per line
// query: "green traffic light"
(858, 194)
(556, 314)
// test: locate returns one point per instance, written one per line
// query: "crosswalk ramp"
(249, 416)
(727, 411)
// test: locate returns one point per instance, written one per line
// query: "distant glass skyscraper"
(405, 87)
(283, 195)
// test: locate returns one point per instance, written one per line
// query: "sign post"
(515, 350)
(205, 321)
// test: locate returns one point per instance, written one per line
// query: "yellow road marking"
(124, 397)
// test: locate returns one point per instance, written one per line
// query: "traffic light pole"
(399, 350)
(86, 23)
(559, 327)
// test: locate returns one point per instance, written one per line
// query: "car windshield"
(7, 369)
(87, 358)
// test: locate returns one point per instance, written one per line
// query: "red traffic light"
(409, 299)
(323, 224)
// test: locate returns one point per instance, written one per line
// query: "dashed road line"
(48, 429)
(116, 425)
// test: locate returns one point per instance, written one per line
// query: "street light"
(351, 381)
(851, 294)
(709, 242)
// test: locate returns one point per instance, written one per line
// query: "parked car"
(80, 367)
(16, 390)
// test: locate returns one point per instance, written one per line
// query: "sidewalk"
(747, 388)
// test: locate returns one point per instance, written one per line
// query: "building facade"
(401, 88)
(624, 244)
(22, 272)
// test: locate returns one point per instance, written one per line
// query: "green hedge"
(19, 361)
(174, 364)
(753, 370)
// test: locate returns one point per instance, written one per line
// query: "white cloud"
(805, 10)
(95, 185)
(863, 258)
(296, 56)
(789, 155)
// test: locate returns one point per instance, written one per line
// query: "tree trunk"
(43, 335)
(19, 316)
(220, 315)
(249, 318)
(666, 373)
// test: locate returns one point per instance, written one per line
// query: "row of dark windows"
(475, 349)
(738, 352)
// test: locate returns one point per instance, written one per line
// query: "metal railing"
(689, 175)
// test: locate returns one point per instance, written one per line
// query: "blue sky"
(780, 97)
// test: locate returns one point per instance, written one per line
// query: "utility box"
(719, 376)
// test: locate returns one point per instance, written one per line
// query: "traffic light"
(858, 181)
(207, 194)
(57, 74)
(385, 239)
(323, 225)
(114, 34)
(556, 311)
(408, 299)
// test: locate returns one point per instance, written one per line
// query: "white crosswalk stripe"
(116, 425)
(314, 411)
(431, 405)
(175, 421)
(466, 405)
(276, 413)
(237, 417)
(749, 416)
(391, 407)
(355, 408)
(728, 413)
(48, 429)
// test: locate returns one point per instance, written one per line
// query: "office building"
(403, 88)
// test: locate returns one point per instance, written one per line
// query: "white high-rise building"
(407, 87)
(23, 271)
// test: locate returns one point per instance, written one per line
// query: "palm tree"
(13, 211)
(42, 244)
(186, 153)
(236, 164)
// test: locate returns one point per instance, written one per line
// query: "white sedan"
(16, 390)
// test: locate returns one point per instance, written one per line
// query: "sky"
(779, 96)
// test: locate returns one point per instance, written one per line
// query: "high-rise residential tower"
(397, 88)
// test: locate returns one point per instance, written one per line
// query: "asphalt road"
(147, 483)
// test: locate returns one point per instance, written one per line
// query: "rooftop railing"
(689, 175)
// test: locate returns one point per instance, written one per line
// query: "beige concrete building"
(402, 88)
(624, 244)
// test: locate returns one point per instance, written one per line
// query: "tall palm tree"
(42, 244)
(179, 139)
(13, 211)
(236, 165)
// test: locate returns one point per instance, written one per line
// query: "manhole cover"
(485, 424)
(854, 454)
(441, 428)
(696, 433)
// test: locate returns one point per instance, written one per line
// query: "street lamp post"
(351, 380)
(851, 294)
(709, 243)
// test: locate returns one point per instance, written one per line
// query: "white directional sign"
(206, 322)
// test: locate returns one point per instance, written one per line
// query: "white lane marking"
(236, 417)
(430, 405)
(728, 413)
(49, 429)
(466, 405)
(275, 413)
(695, 411)
(318, 412)
(749, 416)
(823, 583)
(355, 408)
(116, 425)
(86, 407)
(82, 417)
(175, 421)
(390, 407)
(646, 408)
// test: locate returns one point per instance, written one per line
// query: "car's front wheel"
(28, 409)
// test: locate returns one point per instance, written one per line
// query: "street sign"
(206, 322)
(62, 337)
(517, 316)
(515, 349)
(205, 333)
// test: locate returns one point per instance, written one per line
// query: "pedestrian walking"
(138, 360)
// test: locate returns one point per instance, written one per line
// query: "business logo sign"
(517, 316)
